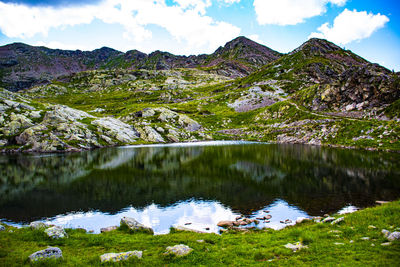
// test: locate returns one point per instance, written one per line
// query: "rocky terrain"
(23, 66)
(318, 94)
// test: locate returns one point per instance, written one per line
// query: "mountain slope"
(23, 66)
(322, 76)
(318, 94)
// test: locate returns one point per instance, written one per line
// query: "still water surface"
(198, 183)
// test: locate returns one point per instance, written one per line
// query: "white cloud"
(185, 20)
(351, 26)
(230, 2)
(64, 46)
(255, 38)
(290, 12)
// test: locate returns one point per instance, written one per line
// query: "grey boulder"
(48, 253)
(135, 226)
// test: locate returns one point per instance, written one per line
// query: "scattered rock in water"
(48, 253)
(394, 236)
(37, 225)
(183, 228)
(122, 256)
(386, 244)
(2, 228)
(295, 247)
(108, 229)
(338, 220)
(135, 226)
(239, 217)
(225, 224)
(381, 202)
(266, 211)
(328, 219)
(302, 219)
(56, 232)
(179, 250)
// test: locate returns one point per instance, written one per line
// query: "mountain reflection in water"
(242, 178)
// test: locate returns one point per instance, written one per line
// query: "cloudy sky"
(369, 28)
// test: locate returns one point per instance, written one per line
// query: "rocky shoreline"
(333, 225)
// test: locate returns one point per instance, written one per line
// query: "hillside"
(23, 66)
(318, 94)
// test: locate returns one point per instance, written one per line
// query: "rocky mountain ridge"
(23, 66)
(318, 94)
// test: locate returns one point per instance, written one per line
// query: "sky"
(369, 28)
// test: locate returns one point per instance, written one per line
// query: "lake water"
(197, 184)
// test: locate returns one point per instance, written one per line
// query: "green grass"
(259, 248)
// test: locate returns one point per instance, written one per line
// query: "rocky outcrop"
(116, 129)
(148, 134)
(23, 66)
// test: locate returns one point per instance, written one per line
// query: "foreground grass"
(233, 248)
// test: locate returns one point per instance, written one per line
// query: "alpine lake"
(195, 185)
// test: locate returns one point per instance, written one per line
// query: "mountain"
(318, 94)
(323, 76)
(23, 66)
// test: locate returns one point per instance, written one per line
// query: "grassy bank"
(344, 244)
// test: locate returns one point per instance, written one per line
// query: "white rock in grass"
(48, 253)
(295, 247)
(394, 236)
(56, 232)
(179, 250)
(338, 220)
(37, 225)
(122, 256)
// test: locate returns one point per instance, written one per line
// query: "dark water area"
(199, 183)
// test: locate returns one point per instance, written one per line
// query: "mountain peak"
(317, 46)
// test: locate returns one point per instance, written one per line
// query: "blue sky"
(368, 28)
